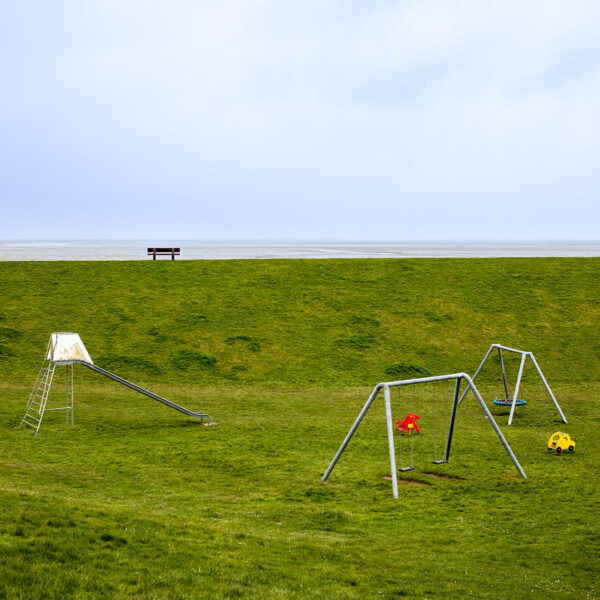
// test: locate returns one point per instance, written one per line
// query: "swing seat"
(508, 401)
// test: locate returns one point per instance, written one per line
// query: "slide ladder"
(39, 396)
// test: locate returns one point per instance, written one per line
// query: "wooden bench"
(172, 252)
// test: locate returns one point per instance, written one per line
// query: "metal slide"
(141, 390)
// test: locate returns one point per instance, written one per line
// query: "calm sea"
(202, 250)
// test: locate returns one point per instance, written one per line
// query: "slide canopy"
(65, 347)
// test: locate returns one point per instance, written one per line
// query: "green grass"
(141, 502)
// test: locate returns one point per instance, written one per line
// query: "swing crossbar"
(385, 386)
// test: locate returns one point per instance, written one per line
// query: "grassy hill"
(141, 502)
(315, 322)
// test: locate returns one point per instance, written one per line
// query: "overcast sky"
(273, 120)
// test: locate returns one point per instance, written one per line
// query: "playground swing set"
(458, 378)
(409, 428)
(515, 400)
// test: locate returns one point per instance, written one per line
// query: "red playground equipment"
(408, 425)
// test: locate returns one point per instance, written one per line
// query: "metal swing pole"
(390, 432)
(514, 402)
(452, 418)
(488, 414)
(354, 427)
(478, 370)
(547, 386)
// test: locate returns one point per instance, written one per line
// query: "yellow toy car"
(561, 442)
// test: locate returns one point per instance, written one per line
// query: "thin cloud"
(280, 119)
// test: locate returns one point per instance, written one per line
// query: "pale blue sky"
(411, 120)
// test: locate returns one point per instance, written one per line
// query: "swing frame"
(385, 386)
(515, 401)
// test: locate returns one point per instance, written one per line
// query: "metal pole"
(141, 390)
(508, 349)
(488, 414)
(452, 418)
(478, 370)
(72, 401)
(390, 432)
(547, 387)
(514, 402)
(352, 430)
(67, 388)
(503, 374)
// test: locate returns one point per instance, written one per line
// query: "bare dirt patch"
(443, 476)
(407, 481)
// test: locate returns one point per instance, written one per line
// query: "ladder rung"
(30, 416)
(30, 424)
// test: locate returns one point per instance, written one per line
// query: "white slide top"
(65, 347)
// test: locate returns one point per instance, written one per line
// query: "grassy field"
(141, 502)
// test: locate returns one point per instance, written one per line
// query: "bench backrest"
(172, 252)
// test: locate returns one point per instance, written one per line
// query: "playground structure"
(515, 400)
(385, 386)
(408, 424)
(67, 349)
(560, 442)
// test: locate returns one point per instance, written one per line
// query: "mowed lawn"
(141, 501)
